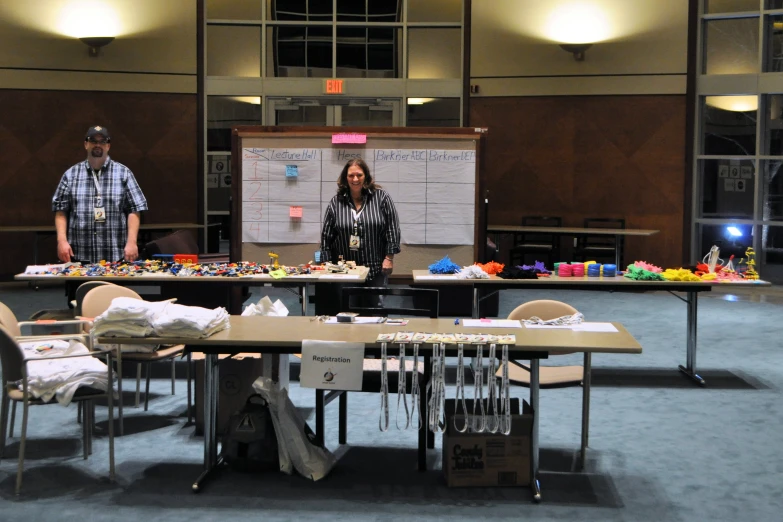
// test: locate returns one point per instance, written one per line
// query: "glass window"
(294, 114)
(434, 53)
(774, 4)
(729, 125)
(772, 248)
(773, 125)
(434, 10)
(774, 48)
(367, 116)
(299, 51)
(730, 6)
(224, 112)
(368, 52)
(433, 112)
(233, 51)
(234, 10)
(773, 190)
(731, 46)
(732, 239)
(300, 10)
(727, 188)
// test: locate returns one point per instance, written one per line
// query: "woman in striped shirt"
(361, 224)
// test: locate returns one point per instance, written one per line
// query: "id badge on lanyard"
(355, 242)
(98, 212)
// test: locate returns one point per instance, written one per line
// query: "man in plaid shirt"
(97, 206)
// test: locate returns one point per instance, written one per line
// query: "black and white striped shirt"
(378, 229)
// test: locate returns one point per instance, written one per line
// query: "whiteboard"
(430, 174)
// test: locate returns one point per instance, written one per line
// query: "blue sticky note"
(291, 171)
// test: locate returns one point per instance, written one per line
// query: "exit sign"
(333, 86)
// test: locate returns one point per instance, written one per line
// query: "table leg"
(476, 302)
(585, 408)
(305, 289)
(535, 485)
(690, 366)
(617, 259)
(211, 461)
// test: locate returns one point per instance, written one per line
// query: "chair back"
(600, 245)
(538, 239)
(8, 320)
(355, 298)
(178, 242)
(82, 291)
(97, 300)
(11, 357)
(545, 309)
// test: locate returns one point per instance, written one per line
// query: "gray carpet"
(661, 448)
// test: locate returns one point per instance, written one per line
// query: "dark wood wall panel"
(589, 156)
(42, 134)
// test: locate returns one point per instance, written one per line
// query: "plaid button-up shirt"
(76, 195)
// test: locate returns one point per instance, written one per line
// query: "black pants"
(328, 296)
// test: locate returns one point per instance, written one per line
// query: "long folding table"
(607, 284)
(284, 335)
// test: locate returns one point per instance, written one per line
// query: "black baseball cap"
(97, 129)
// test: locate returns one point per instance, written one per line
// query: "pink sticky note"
(349, 137)
(485, 320)
(295, 212)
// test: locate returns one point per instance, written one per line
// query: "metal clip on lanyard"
(401, 386)
(460, 389)
(98, 197)
(415, 390)
(492, 409)
(505, 397)
(479, 424)
(383, 421)
(436, 415)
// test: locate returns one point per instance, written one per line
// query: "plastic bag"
(266, 307)
(295, 439)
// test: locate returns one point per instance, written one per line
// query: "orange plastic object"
(45, 321)
(186, 259)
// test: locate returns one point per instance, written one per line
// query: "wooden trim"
(690, 129)
(201, 110)
(466, 28)
(235, 247)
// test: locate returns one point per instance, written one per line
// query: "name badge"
(99, 213)
(354, 242)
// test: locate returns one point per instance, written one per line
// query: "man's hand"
(64, 252)
(131, 252)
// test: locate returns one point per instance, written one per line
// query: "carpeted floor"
(661, 448)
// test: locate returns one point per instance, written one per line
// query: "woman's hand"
(388, 266)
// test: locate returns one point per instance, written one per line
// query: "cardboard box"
(237, 375)
(487, 459)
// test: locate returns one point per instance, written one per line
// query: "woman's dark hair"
(342, 181)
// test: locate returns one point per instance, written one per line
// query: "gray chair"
(536, 246)
(601, 247)
(15, 370)
(554, 376)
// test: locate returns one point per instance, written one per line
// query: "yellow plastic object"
(273, 258)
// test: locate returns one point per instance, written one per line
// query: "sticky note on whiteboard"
(349, 137)
(291, 171)
(295, 212)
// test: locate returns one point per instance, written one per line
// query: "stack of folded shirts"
(128, 317)
(189, 321)
(61, 377)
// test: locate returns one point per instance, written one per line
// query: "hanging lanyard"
(98, 198)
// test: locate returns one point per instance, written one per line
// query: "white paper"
(280, 211)
(449, 234)
(412, 192)
(491, 323)
(548, 326)
(331, 365)
(339, 276)
(255, 153)
(294, 231)
(400, 165)
(306, 170)
(255, 169)
(451, 172)
(412, 234)
(255, 191)
(294, 190)
(450, 214)
(294, 156)
(356, 320)
(594, 327)
(451, 193)
(412, 213)
(255, 232)
(254, 211)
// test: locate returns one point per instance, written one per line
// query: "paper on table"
(594, 327)
(549, 326)
(356, 320)
(339, 276)
(491, 323)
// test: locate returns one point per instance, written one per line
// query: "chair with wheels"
(377, 302)
(554, 376)
(601, 247)
(536, 246)
(16, 367)
(95, 302)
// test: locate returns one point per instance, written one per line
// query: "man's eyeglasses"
(98, 142)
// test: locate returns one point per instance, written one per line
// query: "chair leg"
(85, 444)
(343, 434)
(22, 442)
(585, 408)
(138, 383)
(4, 400)
(119, 391)
(319, 417)
(147, 388)
(13, 418)
(187, 368)
(79, 412)
(173, 375)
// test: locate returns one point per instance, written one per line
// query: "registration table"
(284, 335)
(215, 287)
(691, 289)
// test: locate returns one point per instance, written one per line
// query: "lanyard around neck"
(97, 185)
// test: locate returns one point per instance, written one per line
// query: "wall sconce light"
(96, 42)
(578, 50)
